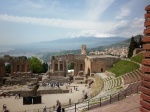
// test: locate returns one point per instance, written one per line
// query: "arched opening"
(102, 70)
(17, 68)
(56, 67)
(81, 67)
(7, 69)
(23, 68)
(61, 67)
(71, 66)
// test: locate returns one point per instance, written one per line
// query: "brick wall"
(145, 84)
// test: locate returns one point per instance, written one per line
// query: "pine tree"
(140, 42)
(131, 47)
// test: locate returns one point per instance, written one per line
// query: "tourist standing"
(16, 96)
(58, 106)
(19, 95)
(44, 110)
(70, 101)
(5, 108)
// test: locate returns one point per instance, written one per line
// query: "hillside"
(72, 43)
(124, 43)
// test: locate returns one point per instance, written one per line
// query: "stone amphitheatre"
(75, 89)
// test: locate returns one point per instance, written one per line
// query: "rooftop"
(101, 56)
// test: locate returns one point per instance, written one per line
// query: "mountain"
(70, 43)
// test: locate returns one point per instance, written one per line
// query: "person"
(63, 109)
(5, 108)
(19, 95)
(16, 96)
(58, 106)
(70, 101)
(71, 90)
(44, 110)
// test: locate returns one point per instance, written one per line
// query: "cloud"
(127, 9)
(88, 33)
(123, 13)
(128, 28)
(53, 22)
(32, 5)
(123, 28)
(95, 8)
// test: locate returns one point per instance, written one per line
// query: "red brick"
(145, 83)
(147, 15)
(146, 77)
(146, 54)
(145, 90)
(147, 23)
(146, 46)
(147, 8)
(145, 104)
(146, 61)
(145, 68)
(146, 31)
(146, 39)
(142, 109)
(145, 97)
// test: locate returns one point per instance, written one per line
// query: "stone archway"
(71, 67)
(102, 70)
(89, 71)
(18, 66)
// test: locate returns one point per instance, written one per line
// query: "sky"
(28, 21)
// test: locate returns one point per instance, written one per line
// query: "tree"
(36, 65)
(131, 47)
(7, 68)
(71, 66)
(140, 42)
(45, 67)
(134, 44)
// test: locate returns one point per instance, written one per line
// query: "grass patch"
(122, 67)
(138, 58)
(97, 86)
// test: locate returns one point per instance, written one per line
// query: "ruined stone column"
(145, 83)
(2, 68)
(67, 68)
(53, 66)
(58, 65)
(63, 66)
(20, 67)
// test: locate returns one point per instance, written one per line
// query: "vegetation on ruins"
(37, 66)
(122, 67)
(138, 58)
(71, 66)
(97, 86)
(7, 68)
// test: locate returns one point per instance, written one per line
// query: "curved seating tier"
(132, 77)
(116, 84)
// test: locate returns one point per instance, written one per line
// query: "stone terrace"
(130, 104)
